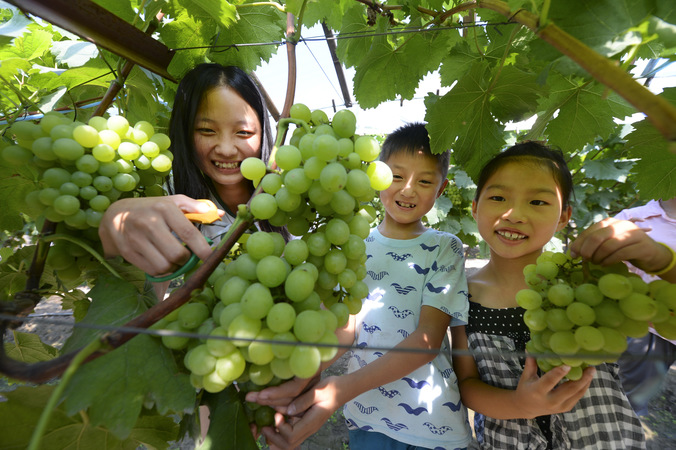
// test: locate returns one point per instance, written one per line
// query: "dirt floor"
(659, 424)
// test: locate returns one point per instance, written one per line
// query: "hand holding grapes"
(538, 396)
(611, 241)
(140, 230)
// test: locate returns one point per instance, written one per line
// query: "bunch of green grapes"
(83, 168)
(582, 313)
(454, 194)
(260, 303)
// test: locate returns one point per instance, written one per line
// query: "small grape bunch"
(454, 194)
(581, 314)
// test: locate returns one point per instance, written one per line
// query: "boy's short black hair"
(411, 138)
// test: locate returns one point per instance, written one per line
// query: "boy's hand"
(612, 240)
(540, 396)
(314, 408)
(279, 397)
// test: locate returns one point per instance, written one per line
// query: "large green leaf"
(189, 37)
(114, 387)
(355, 37)
(21, 411)
(229, 425)
(28, 348)
(29, 46)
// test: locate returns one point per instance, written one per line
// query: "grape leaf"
(257, 24)
(355, 37)
(607, 169)
(330, 13)
(515, 94)
(229, 425)
(182, 34)
(29, 46)
(219, 11)
(389, 71)
(582, 112)
(21, 411)
(113, 387)
(95, 72)
(28, 348)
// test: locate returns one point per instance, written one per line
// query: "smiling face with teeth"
(416, 184)
(519, 210)
(226, 131)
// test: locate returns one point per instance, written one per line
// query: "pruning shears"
(203, 218)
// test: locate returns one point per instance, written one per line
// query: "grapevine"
(582, 314)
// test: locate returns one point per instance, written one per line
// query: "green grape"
(253, 168)
(118, 124)
(337, 231)
(359, 226)
(328, 353)
(344, 123)
(108, 169)
(298, 285)
(342, 202)
(557, 320)
(232, 290)
(161, 163)
(42, 148)
(243, 327)
(263, 206)
(380, 175)
(87, 164)
(296, 252)
(633, 328)
(326, 279)
(305, 361)
(219, 347)
(662, 314)
(54, 177)
(346, 148)
(319, 117)
(288, 157)
(589, 338)
(191, 315)
(564, 343)
(335, 261)
(309, 268)
(102, 184)
(313, 167)
(613, 341)
(99, 203)
(124, 182)
(305, 146)
(271, 183)
(667, 328)
(231, 366)
(535, 319)
(129, 150)
(150, 149)
(199, 361)
(260, 353)
(257, 301)
(145, 126)
(287, 200)
(281, 350)
(318, 244)
(589, 294)
(103, 153)
(560, 294)
(260, 375)
(66, 205)
(655, 287)
(358, 183)
(162, 140)
(367, 148)
(318, 195)
(175, 342)
(614, 286)
(638, 306)
(637, 284)
(109, 137)
(279, 219)
(325, 147)
(333, 177)
(528, 299)
(330, 319)
(228, 314)
(298, 226)
(281, 368)
(246, 267)
(300, 111)
(281, 317)
(580, 314)
(325, 129)
(259, 244)
(296, 181)
(64, 130)
(347, 278)
(271, 271)
(547, 269)
(93, 217)
(86, 136)
(360, 290)
(67, 149)
(342, 313)
(665, 293)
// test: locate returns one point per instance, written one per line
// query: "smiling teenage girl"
(219, 119)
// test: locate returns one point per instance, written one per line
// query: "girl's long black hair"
(187, 178)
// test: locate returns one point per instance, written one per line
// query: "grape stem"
(84, 245)
(77, 361)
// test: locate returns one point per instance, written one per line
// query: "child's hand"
(611, 241)
(538, 396)
(314, 408)
(279, 397)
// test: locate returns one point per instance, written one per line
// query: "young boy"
(403, 397)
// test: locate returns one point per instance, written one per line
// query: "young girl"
(522, 200)
(219, 118)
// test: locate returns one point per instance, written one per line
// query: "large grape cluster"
(273, 306)
(81, 169)
(582, 314)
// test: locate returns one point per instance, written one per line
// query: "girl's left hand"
(612, 240)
